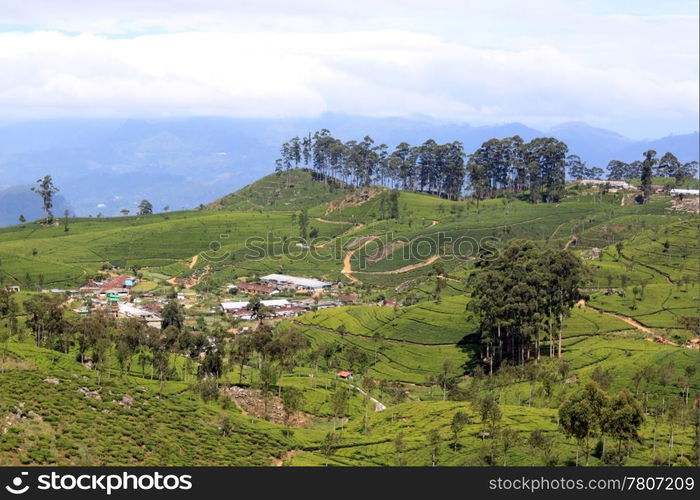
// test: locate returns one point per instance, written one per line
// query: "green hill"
(408, 337)
(292, 190)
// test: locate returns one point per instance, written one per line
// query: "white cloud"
(539, 62)
(262, 74)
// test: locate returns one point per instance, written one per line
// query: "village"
(271, 297)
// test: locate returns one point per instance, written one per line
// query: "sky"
(626, 65)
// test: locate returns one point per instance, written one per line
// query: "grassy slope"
(157, 241)
(169, 429)
(412, 347)
(291, 190)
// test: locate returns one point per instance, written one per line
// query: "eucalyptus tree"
(517, 295)
(46, 189)
(576, 167)
(667, 166)
(583, 414)
(649, 163)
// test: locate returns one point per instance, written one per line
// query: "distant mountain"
(19, 200)
(105, 165)
(595, 145)
(685, 146)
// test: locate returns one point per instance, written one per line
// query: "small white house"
(685, 192)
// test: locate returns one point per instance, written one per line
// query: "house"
(129, 310)
(229, 307)
(253, 288)
(325, 304)
(242, 313)
(288, 312)
(153, 307)
(285, 282)
(347, 299)
(120, 285)
(685, 192)
(13, 288)
(613, 185)
(344, 374)
(90, 288)
(392, 302)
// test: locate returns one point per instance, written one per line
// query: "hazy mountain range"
(105, 165)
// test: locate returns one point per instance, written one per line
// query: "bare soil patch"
(251, 402)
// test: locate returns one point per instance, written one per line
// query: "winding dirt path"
(321, 219)
(347, 265)
(666, 276)
(630, 321)
(570, 242)
(378, 405)
(194, 260)
(554, 233)
(404, 269)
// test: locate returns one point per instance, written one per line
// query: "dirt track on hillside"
(630, 321)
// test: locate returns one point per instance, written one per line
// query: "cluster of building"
(284, 282)
(273, 284)
(615, 186)
(113, 295)
(119, 285)
(276, 284)
(277, 308)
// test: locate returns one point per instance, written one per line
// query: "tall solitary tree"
(145, 208)
(46, 189)
(304, 224)
(648, 165)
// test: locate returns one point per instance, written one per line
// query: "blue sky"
(631, 66)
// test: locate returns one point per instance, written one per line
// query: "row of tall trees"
(498, 166)
(666, 166)
(521, 298)
(441, 169)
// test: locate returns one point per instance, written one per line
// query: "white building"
(131, 311)
(685, 192)
(235, 306)
(294, 282)
(612, 184)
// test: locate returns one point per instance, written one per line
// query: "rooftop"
(295, 280)
(243, 304)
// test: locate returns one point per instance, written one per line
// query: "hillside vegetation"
(292, 190)
(209, 390)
